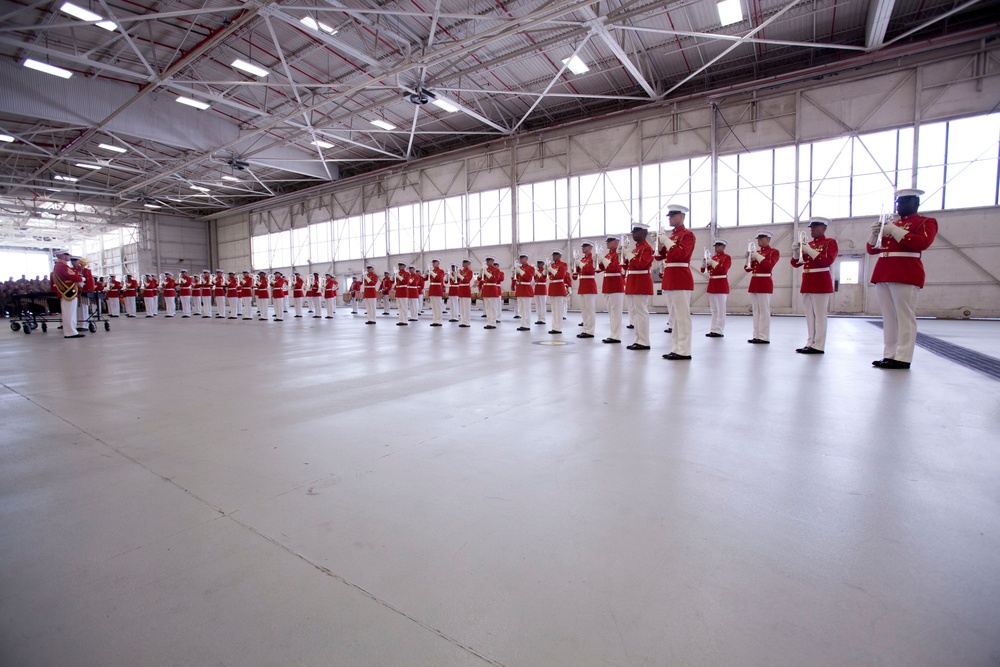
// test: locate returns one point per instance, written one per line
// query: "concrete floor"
(319, 492)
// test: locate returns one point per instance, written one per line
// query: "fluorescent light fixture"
(47, 68)
(321, 143)
(199, 188)
(730, 11)
(383, 124)
(231, 178)
(86, 15)
(113, 149)
(152, 206)
(250, 68)
(575, 65)
(318, 26)
(193, 103)
(68, 179)
(6, 138)
(87, 165)
(444, 104)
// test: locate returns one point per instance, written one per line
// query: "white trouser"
(558, 304)
(385, 304)
(638, 315)
(402, 304)
(68, 309)
(150, 303)
(588, 308)
(437, 308)
(490, 306)
(615, 302)
(114, 307)
(717, 304)
(297, 300)
(234, 305)
(370, 309)
(899, 319)
(464, 310)
(195, 305)
(415, 306)
(816, 306)
(261, 308)
(220, 306)
(315, 301)
(680, 320)
(331, 306)
(497, 307)
(539, 301)
(170, 303)
(206, 306)
(247, 307)
(761, 302)
(354, 302)
(130, 305)
(83, 308)
(186, 306)
(524, 309)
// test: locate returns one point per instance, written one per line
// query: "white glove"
(666, 241)
(809, 250)
(519, 271)
(600, 263)
(756, 255)
(579, 264)
(896, 232)
(875, 227)
(795, 247)
(553, 271)
(712, 263)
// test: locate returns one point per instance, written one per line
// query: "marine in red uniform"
(185, 285)
(260, 286)
(369, 292)
(129, 292)
(66, 282)
(760, 264)
(541, 290)
(464, 293)
(817, 283)
(219, 292)
(86, 289)
(717, 267)
(676, 249)
(278, 291)
(451, 293)
(355, 291)
(150, 294)
(556, 289)
(416, 292)
(385, 290)
(899, 276)
(613, 287)
(298, 292)
(170, 294)
(233, 294)
(491, 290)
(585, 272)
(113, 295)
(435, 291)
(330, 286)
(401, 286)
(314, 294)
(246, 295)
(522, 284)
(639, 285)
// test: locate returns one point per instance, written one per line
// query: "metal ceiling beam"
(939, 17)
(737, 38)
(877, 21)
(597, 23)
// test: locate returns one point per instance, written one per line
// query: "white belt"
(717, 277)
(588, 277)
(760, 275)
(827, 270)
(677, 265)
(901, 254)
(636, 273)
(612, 275)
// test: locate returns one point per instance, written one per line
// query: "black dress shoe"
(712, 334)
(584, 335)
(298, 316)
(464, 326)
(893, 364)
(539, 321)
(580, 324)
(636, 346)
(278, 319)
(448, 320)
(370, 322)
(631, 326)
(489, 326)
(517, 317)
(79, 335)
(878, 363)
(433, 324)
(206, 317)
(810, 350)
(553, 331)
(668, 330)
(523, 329)
(611, 340)
(401, 324)
(673, 356)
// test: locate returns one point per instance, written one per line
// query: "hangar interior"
(321, 492)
